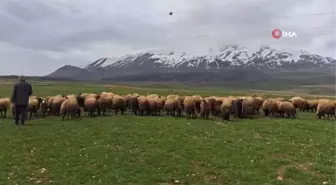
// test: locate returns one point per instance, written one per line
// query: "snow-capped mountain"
(228, 57)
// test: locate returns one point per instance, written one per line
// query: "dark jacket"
(21, 93)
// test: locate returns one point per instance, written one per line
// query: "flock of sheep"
(174, 105)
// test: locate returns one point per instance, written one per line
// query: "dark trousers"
(20, 114)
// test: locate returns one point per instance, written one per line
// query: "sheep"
(109, 99)
(172, 96)
(299, 103)
(33, 106)
(102, 105)
(205, 109)
(211, 101)
(258, 103)
(134, 105)
(181, 99)
(197, 100)
(171, 106)
(71, 108)
(248, 108)
(270, 107)
(44, 107)
(90, 105)
(325, 106)
(152, 96)
(237, 107)
(4, 106)
(279, 99)
(56, 104)
(226, 108)
(217, 106)
(153, 105)
(286, 107)
(127, 101)
(312, 105)
(143, 105)
(159, 104)
(118, 104)
(189, 107)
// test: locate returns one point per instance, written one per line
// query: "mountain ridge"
(264, 60)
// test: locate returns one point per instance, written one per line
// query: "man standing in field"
(20, 98)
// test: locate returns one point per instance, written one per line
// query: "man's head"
(22, 78)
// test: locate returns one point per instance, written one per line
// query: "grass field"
(130, 150)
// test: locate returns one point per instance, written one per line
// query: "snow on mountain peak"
(230, 55)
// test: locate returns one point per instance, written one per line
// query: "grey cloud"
(79, 30)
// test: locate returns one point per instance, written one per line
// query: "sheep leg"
(63, 116)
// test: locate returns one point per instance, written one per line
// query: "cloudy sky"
(38, 36)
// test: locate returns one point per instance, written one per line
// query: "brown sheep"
(127, 99)
(279, 99)
(197, 100)
(152, 96)
(248, 108)
(33, 106)
(270, 107)
(44, 107)
(56, 105)
(90, 105)
(181, 100)
(4, 106)
(143, 105)
(173, 107)
(190, 107)
(258, 103)
(211, 101)
(159, 103)
(109, 98)
(312, 105)
(226, 108)
(172, 96)
(205, 109)
(299, 103)
(286, 107)
(134, 105)
(324, 106)
(71, 108)
(102, 105)
(152, 105)
(118, 104)
(217, 106)
(50, 104)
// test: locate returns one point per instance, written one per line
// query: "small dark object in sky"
(170, 13)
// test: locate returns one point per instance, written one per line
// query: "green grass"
(127, 149)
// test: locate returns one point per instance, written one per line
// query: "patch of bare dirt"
(280, 172)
